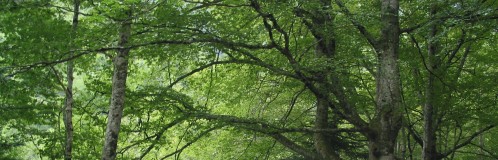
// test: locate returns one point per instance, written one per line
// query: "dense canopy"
(248, 79)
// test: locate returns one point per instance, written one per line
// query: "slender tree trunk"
(322, 140)
(118, 92)
(68, 105)
(429, 150)
(325, 49)
(321, 26)
(387, 122)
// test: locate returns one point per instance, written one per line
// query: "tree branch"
(466, 142)
(370, 38)
(264, 127)
(457, 48)
(191, 142)
(159, 134)
(294, 147)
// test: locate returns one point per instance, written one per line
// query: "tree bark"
(118, 91)
(322, 140)
(321, 26)
(68, 105)
(325, 49)
(387, 122)
(429, 151)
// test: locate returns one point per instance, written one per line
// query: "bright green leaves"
(202, 47)
(32, 33)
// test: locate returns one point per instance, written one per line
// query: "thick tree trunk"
(118, 92)
(68, 105)
(429, 151)
(387, 122)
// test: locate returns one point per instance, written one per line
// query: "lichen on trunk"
(387, 120)
(120, 62)
(68, 105)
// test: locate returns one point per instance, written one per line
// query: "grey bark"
(118, 92)
(68, 105)
(429, 151)
(387, 122)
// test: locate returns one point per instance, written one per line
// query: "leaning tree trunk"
(68, 105)
(387, 122)
(118, 92)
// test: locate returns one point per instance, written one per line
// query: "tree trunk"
(322, 140)
(68, 105)
(321, 26)
(118, 92)
(387, 122)
(429, 151)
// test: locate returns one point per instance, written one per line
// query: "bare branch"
(159, 134)
(457, 48)
(25, 68)
(491, 154)
(466, 142)
(204, 133)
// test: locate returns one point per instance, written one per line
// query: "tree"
(68, 105)
(251, 79)
(120, 62)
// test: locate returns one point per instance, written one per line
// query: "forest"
(248, 79)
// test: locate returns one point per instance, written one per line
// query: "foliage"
(227, 79)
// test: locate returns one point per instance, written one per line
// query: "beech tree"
(253, 79)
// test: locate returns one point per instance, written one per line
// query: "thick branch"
(264, 127)
(270, 23)
(293, 146)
